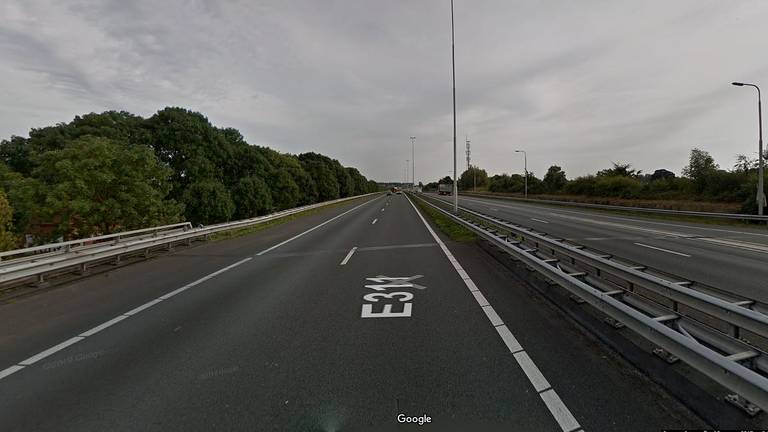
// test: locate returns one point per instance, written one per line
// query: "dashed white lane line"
(382, 209)
(349, 255)
(314, 228)
(554, 404)
(663, 250)
(374, 222)
(50, 351)
(540, 220)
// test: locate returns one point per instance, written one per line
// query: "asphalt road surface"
(728, 257)
(340, 320)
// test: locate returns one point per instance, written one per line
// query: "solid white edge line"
(663, 250)
(315, 227)
(7, 371)
(349, 255)
(553, 402)
(41, 355)
(559, 411)
(481, 300)
(101, 327)
(52, 350)
(490, 312)
(509, 339)
(146, 305)
(532, 372)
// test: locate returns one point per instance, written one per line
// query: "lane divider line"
(349, 255)
(554, 404)
(663, 250)
(540, 220)
(314, 228)
(374, 222)
(50, 351)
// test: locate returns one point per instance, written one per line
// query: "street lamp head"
(518, 151)
(737, 84)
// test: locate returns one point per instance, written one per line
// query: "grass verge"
(225, 235)
(455, 231)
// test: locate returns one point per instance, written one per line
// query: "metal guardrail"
(77, 255)
(684, 325)
(734, 216)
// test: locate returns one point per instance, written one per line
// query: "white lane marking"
(509, 339)
(374, 222)
(559, 411)
(490, 312)
(382, 209)
(146, 305)
(43, 354)
(663, 250)
(752, 247)
(314, 228)
(481, 300)
(101, 327)
(649, 222)
(556, 406)
(7, 371)
(349, 255)
(540, 220)
(52, 350)
(532, 372)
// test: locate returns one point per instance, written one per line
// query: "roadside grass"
(455, 231)
(226, 235)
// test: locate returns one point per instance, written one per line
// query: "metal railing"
(725, 337)
(713, 215)
(39, 262)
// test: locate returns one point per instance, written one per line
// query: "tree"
(700, 166)
(208, 202)
(471, 177)
(251, 197)
(619, 170)
(97, 186)
(8, 240)
(661, 174)
(554, 179)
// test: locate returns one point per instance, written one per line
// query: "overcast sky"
(575, 83)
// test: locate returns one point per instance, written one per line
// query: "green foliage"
(208, 201)
(251, 197)
(95, 185)
(471, 177)
(554, 180)
(114, 170)
(8, 239)
(619, 170)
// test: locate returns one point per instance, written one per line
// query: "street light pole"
(405, 178)
(413, 163)
(525, 161)
(760, 176)
(453, 77)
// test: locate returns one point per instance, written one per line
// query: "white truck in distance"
(444, 189)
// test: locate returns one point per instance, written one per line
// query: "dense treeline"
(114, 171)
(702, 180)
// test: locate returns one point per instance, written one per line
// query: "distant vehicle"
(445, 189)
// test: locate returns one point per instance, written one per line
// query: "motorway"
(334, 321)
(731, 258)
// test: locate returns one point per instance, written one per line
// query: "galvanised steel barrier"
(723, 338)
(37, 263)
